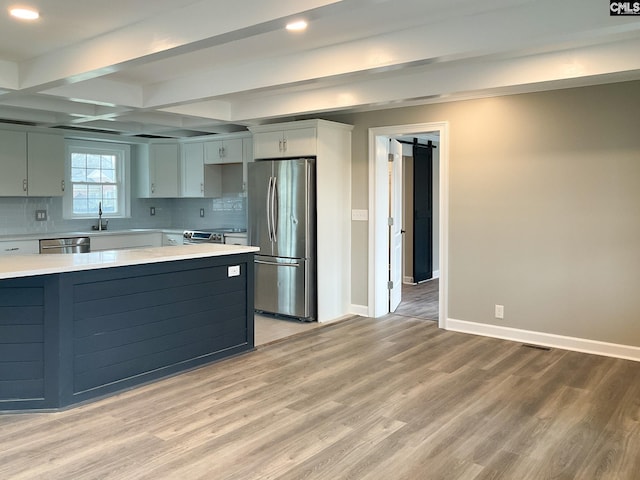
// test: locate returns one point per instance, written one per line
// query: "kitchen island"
(80, 326)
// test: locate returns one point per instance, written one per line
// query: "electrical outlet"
(41, 215)
(500, 311)
(152, 211)
(202, 212)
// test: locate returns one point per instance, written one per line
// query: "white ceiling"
(185, 67)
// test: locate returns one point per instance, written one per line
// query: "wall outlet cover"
(152, 211)
(360, 215)
(202, 212)
(41, 215)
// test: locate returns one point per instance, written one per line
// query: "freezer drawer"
(283, 287)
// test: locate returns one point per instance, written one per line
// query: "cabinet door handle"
(280, 145)
(24, 185)
(284, 143)
(153, 188)
(62, 185)
(202, 187)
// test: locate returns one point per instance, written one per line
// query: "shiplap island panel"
(102, 323)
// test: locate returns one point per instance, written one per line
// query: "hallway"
(420, 301)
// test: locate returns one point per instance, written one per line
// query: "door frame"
(378, 303)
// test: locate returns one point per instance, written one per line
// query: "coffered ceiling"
(180, 68)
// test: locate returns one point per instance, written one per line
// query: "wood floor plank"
(367, 399)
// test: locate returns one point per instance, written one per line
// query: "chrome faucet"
(101, 226)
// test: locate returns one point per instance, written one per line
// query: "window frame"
(123, 170)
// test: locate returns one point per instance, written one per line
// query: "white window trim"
(124, 182)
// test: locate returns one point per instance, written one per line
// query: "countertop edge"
(21, 266)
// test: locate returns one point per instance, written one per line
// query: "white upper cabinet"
(192, 170)
(45, 165)
(158, 169)
(213, 168)
(223, 151)
(32, 164)
(13, 162)
(164, 158)
(199, 179)
(292, 142)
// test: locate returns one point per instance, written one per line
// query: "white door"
(395, 227)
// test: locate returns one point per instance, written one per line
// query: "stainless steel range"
(192, 237)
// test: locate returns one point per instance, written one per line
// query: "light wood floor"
(420, 301)
(387, 399)
(269, 329)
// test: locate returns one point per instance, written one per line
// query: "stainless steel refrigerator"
(282, 222)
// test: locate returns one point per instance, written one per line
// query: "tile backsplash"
(18, 215)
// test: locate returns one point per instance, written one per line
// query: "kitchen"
(91, 168)
(160, 173)
(540, 98)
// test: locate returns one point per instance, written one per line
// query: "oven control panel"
(197, 236)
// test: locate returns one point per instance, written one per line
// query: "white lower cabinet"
(19, 247)
(235, 239)
(172, 239)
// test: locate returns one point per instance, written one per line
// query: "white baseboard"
(362, 310)
(583, 345)
(409, 280)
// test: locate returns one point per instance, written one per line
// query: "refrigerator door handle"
(274, 209)
(268, 205)
(262, 262)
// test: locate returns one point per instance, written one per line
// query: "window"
(98, 173)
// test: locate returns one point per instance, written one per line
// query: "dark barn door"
(422, 212)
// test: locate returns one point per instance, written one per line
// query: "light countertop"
(85, 233)
(32, 265)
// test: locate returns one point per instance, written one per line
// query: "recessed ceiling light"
(297, 26)
(24, 13)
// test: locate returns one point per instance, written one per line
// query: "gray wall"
(544, 208)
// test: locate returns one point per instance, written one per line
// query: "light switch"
(360, 215)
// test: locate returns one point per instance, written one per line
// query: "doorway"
(379, 198)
